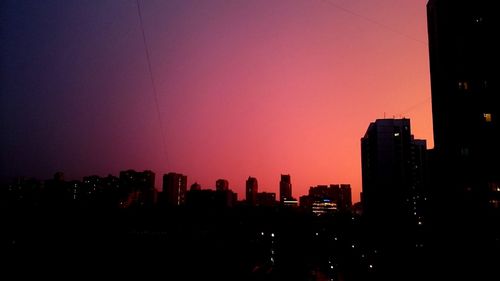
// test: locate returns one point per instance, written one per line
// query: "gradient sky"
(244, 88)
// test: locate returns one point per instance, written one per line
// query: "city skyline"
(244, 89)
(249, 90)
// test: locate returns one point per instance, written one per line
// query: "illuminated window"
(495, 203)
(396, 134)
(463, 85)
(487, 117)
(495, 187)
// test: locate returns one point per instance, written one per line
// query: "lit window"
(494, 186)
(487, 117)
(495, 203)
(396, 134)
(463, 85)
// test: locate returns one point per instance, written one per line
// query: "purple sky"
(244, 88)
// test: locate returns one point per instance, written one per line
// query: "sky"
(238, 88)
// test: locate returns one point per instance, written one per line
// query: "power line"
(370, 20)
(416, 105)
(389, 28)
(153, 83)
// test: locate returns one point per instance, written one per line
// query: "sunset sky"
(244, 88)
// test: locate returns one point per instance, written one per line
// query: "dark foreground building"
(464, 61)
(393, 170)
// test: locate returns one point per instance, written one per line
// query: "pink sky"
(270, 87)
(245, 88)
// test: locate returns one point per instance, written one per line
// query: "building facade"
(174, 189)
(392, 171)
(252, 188)
(285, 188)
(464, 59)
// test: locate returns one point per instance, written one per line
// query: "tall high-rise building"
(137, 188)
(137, 180)
(252, 188)
(174, 188)
(345, 198)
(285, 188)
(391, 182)
(464, 60)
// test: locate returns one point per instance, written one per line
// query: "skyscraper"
(252, 188)
(345, 197)
(391, 184)
(137, 188)
(285, 188)
(464, 60)
(174, 188)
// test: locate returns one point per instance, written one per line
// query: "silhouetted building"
(285, 188)
(174, 189)
(252, 188)
(357, 208)
(345, 199)
(318, 205)
(136, 180)
(267, 199)
(195, 186)
(391, 163)
(464, 60)
(56, 191)
(21, 192)
(99, 191)
(209, 199)
(136, 188)
(321, 191)
(324, 199)
(221, 185)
